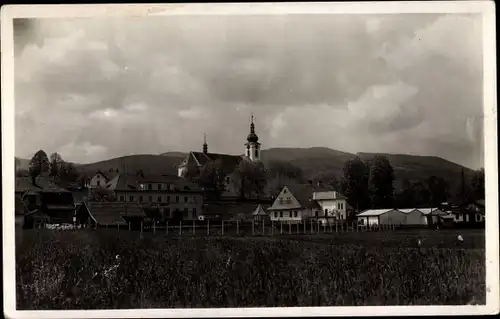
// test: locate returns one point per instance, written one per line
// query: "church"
(198, 159)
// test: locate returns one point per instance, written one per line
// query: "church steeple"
(205, 146)
(252, 150)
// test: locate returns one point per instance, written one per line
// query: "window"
(227, 180)
(168, 199)
(326, 212)
(275, 214)
(159, 187)
(284, 191)
(185, 199)
(194, 199)
(131, 198)
(281, 200)
(176, 199)
(150, 186)
(140, 198)
(122, 198)
(98, 183)
(295, 213)
(159, 199)
(194, 211)
(256, 153)
(281, 214)
(185, 212)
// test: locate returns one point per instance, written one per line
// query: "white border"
(486, 8)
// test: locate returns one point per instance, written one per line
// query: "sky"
(96, 88)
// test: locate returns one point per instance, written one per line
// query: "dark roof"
(43, 184)
(133, 182)
(304, 193)
(107, 213)
(229, 162)
(20, 206)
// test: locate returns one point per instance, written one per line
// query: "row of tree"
(60, 171)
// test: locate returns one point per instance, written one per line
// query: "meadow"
(110, 269)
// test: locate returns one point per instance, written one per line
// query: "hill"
(24, 164)
(149, 164)
(316, 162)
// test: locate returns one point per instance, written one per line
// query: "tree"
(39, 164)
(354, 184)
(56, 163)
(380, 183)
(284, 169)
(438, 190)
(69, 173)
(252, 178)
(478, 184)
(212, 177)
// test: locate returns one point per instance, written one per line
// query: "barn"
(387, 216)
(414, 217)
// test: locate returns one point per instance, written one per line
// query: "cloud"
(154, 84)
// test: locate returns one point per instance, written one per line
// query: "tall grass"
(66, 270)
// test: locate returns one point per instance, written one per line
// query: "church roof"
(229, 162)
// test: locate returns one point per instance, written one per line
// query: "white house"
(414, 216)
(294, 204)
(381, 217)
(332, 203)
(99, 180)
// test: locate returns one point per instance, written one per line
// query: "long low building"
(381, 217)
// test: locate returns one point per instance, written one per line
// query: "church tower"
(205, 145)
(252, 150)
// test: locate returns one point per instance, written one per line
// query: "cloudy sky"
(93, 89)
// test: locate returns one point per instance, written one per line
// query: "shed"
(432, 214)
(260, 214)
(110, 214)
(414, 217)
(386, 216)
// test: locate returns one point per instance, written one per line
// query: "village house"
(373, 217)
(414, 217)
(194, 161)
(294, 204)
(173, 196)
(477, 209)
(333, 204)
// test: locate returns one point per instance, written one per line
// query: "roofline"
(192, 153)
(90, 212)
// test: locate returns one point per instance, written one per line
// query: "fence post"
(318, 225)
(263, 228)
(298, 227)
(237, 227)
(253, 228)
(223, 227)
(141, 227)
(311, 224)
(129, 226)
(305, 227)
(194, 228)
(180, 227)
(166, 228)
(272, 227)
(324, 228)
(208, 227)
(281, 227)
(154, 227)
(289, 227)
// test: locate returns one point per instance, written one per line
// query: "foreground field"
(79, 270)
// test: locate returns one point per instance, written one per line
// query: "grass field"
(66, 270)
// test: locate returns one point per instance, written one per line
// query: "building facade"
(333, 204)
(173, 196)
(294, 204)
(374, 217)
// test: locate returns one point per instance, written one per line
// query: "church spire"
(205, 146)
(252, 137)
(252, 126)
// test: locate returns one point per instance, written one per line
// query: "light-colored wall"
(288, 215)
(392, 217)
(251, 152)
(368, 220)
(333, 207)
(194, 202)
(98, 181)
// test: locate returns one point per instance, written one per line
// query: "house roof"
(480, 202)
(229, 162)
(259, 211)
(43, 184)
(374, 212)
(323, 193)
(408, 210)
(432, 211)
(133, 182)
(108, 213)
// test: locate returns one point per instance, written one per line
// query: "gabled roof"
(375, 212)
(229, 162)
(259, 211)
(108, 213)
(432, 211)
(409, 210)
